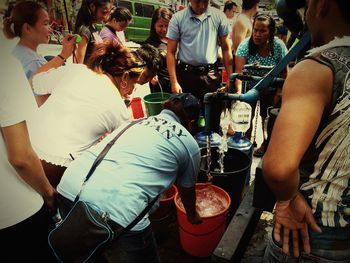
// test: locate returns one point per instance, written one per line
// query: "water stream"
(225, 121)
(208, 143)
(161, 90)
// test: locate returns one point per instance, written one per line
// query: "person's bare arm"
(41, 99)
(188, 198)
(171, 65)
(239, 64)
(226, 54)
(306, 95)
(25, 161)
(67, 50)
(81, 50)
(239, 33)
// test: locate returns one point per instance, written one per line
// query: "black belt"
(197, 69)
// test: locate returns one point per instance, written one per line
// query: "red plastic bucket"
(201, 240)
(166, 205)
(164, 216)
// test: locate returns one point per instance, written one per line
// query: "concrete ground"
(257, 245)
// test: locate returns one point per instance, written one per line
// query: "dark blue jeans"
(132, 247)
(274, 254)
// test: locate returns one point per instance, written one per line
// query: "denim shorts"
(274, 254)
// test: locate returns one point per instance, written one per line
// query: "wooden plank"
(236, 238)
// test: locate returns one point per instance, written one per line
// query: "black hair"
(85, 15)
(249, 4)
(121, 14)
(8, 11)
(161, 12)
(253, 49)
(176, 106)
(151, 56)
(19, 14)
(229, 5)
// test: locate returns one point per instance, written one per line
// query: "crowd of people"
(56, 117)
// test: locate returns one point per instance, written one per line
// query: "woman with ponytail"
(30, 22)
(85, 103)
(90, 13)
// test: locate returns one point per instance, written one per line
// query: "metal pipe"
(250, 96)
(253, 94)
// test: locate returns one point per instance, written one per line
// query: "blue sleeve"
(242, 49)
(173, 29)
(189, 170)
(32, 67)
(224, 27)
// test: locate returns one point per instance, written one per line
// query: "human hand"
(176, 88)
(294, 216)
(154, 80)
(51, 201)
(68, 45)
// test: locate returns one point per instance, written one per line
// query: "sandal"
(259, 152)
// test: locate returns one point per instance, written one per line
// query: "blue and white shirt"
(279, 49)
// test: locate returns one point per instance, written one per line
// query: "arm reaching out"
(171, 64)
(188, 198)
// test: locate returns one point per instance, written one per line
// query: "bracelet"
(61, 57)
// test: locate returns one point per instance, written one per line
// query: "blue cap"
(190, 104)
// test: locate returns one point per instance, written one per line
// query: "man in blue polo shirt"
(196, 33)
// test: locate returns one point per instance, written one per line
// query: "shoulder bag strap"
(98, 161)
(140, 216)
(103, 153)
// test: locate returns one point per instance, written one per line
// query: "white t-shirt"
(18, 200)
(82, 107)
(121, 36)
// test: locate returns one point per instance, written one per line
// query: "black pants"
(27, 240)
(199, 84)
